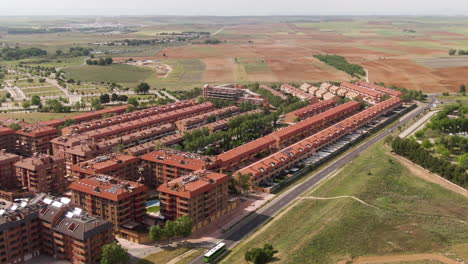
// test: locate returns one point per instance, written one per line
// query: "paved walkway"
(418, 124)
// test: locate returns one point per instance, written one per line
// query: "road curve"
(254, 221)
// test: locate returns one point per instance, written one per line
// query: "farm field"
(407, 52)
(397, 213)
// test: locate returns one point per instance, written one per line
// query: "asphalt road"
(254, 221)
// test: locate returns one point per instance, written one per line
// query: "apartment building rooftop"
(380, 88)
(107, 187)
(37, 130)
(194, 184)
(86, 116)
(6, 131)
(121, 118)
(361, 90)
(246, 149)
(104, 163)
(181, 159)
(6, 156)
(36, 161)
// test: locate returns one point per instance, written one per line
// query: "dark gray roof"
(82, 227)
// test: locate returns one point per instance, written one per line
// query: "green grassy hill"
(410, 216)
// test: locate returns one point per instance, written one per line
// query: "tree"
(101, 62)
(15, 126)
(243, 182)
(155, 233)
(104, 98)
(133, 101)
(58, 52)
(96, 104)
(260, 255)
(114, 97)
(183, 226)
(114, 253)
(211, 119)
(26, 104)
(8, 95)
(452, 52)
(158, 145)
(108, 60)
(69, 122)
(142, 88)
(35, 100)
(462, 88)
(169, 229)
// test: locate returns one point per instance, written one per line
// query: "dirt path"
(338, 197)
(401, 258)
(428, 176)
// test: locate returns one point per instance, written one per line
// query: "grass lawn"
(163, 256)
(36, 117)
(152, 209)
(413, 216)
(191, 256)
(115, 73)
(454, 98)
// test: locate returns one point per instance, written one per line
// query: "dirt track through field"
(338, 197)
(401, 258)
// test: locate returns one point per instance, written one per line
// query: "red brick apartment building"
(380, 89)
(201, 195)
(7, 139)
(274, 164)
(7, 170)
(121, 118)
(118, 165)
(165, 165)
(368, 95)
(298, 93)
(35, 139)
(119, 129)
(79, 118)
(45, 225)
(88, 149)
(118, 201)
(199, 120)
(243, 155)
(42, 173)
(309, 111)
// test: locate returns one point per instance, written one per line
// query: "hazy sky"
(233, 7)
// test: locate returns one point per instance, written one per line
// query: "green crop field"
(410, 215)
(115, 73)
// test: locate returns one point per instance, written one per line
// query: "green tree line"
(9, 54)
(423, 157)
(181, 227)
(342, 64)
